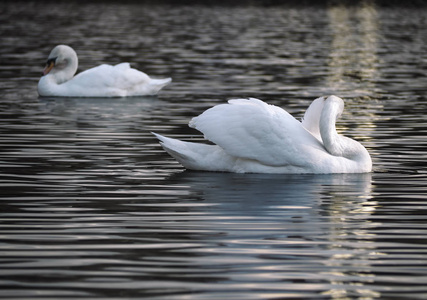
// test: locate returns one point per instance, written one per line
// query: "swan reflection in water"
(326, 194)
(278, 220)
(118, 109)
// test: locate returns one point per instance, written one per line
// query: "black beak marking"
(51, 61)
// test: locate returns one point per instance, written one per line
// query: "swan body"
(251, 136)
(102, 81)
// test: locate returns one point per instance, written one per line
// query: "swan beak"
(49, 66)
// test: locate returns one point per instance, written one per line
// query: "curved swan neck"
(66, 63)
(358, 157)
(332, 141)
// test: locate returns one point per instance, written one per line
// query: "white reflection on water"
(119, 107)
(281, 218)
(351, 241)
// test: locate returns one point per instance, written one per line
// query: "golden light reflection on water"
(352, 245)
(353, 57)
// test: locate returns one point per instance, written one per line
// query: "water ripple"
(92, 207)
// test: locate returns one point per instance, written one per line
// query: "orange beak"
(49, 66)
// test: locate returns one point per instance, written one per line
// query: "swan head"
(62, 62)
(335, 104)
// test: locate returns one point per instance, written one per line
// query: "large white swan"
(103, 81)
(252, 136)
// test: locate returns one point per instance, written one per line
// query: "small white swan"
(103, 81)
(252, 136)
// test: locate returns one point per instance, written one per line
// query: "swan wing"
(105, 76)
(253, 129)
(311, 117)
(118, 80)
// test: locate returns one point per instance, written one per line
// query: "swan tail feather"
(176, 148)
(158, 84)
(194, 156)
(197, 156)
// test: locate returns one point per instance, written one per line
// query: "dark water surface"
(92, 207)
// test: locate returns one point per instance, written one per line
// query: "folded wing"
(252, 129)
(311, 117)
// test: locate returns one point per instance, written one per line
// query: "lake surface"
(92, 207)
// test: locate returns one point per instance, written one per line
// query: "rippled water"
(92, 207)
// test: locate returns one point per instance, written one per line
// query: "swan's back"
(119, 80)
(252, 129)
